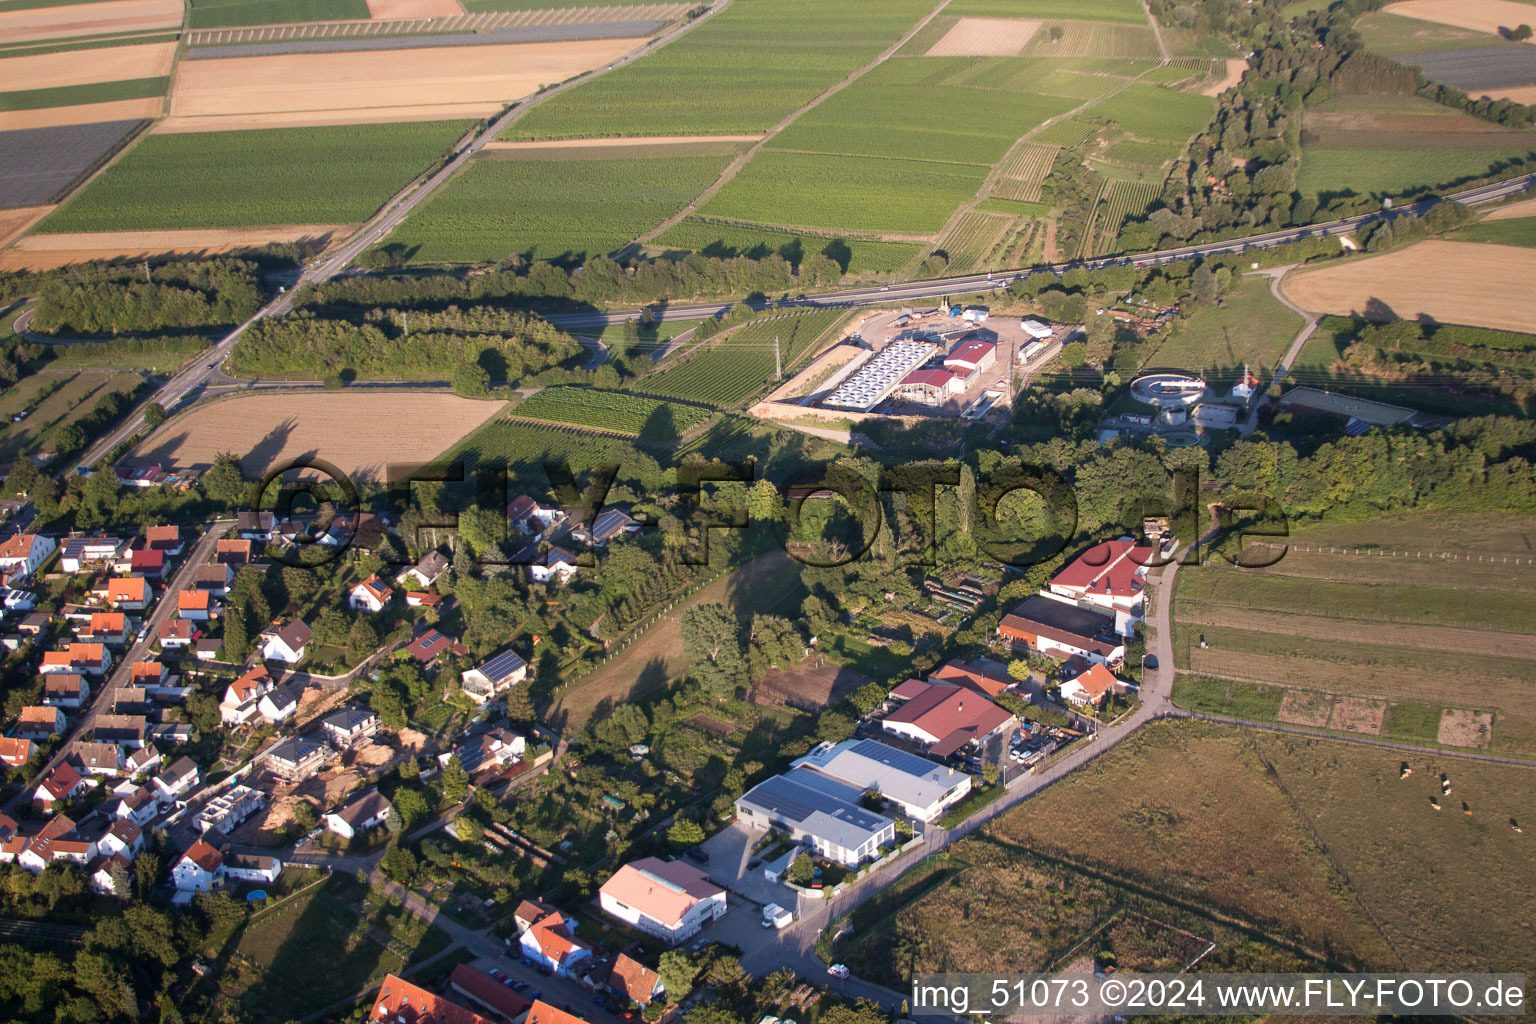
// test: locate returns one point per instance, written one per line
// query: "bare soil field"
(986, 37)
(1402, 131)
(386, 81)
(1450, 282)
(1463, 728)
(1524, 94)
(1478, 15)
(358, 433)
(1355, 714)
(43, 252)
(1514, 211)
(321, 118)
(14, 222)
(70, 67)
(627, 140)
(90, 19)
(385, 10)
(1303, 707)
(84, 113)
(1236, 67)
(812, 685)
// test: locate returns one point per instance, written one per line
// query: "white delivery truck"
(775, 916)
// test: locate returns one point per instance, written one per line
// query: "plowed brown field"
(359, 433)
(383, 10)
(88, 19)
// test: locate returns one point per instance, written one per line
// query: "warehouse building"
(880, 376)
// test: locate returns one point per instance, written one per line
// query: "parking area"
(730, 854)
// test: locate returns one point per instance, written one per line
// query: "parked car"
(838, 970)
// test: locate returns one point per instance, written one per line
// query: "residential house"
(80, 552)
(556, 565)
(8, 828)
(23, 554)
(919, 788)
(96, 758)
(105, 873)
(945, 719)
(531, 519)
(422, 599)
(93, 659)
(668, 899)
(148, 675)
(250, 867)
(225, 812)
(529, 911)
(59, 786)
(239, 705)
(278, 704)
(254, 525)
(818, 812)
(362, 812)
(146, 563)
(65, 690)
(139, 806)
(1056, 627)
(543, 1013)
(484, 991)
(141, 759)
(985, 676)
(165, 539)
(178, 634)
(15, 751)
(203, 650)
(35, 625)
(199, 869)
(351, 726)
(215, 578)
(1111, 576)
(487, 752)
(124, 730)
(176, 781)
(105, 628)
(59, 841)
(194, 605)
(123, 839)
(287, 643)
(296, 758)
(631, 980)
(610, 523)
(401, 1002)
(233, 551)
(371, 595)
(362, 532)
(1090, 686)
(551, 943)
(495, 676)
(39, 723)
(129, 594)
(426, 570)
(431, 645)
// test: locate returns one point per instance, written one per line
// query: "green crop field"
(476, 6)
(1391, 171)
(743, 70)
(1152, 112)
(1101, 39)
(732, 370)
(227, 13)
(70, 95)
(1074, 131)
(546, 209)
(726, 240)
(1141, 154)
(1395, 34)
(1091, 10)
(617, 411)
(332, 175)
(942, 123)
(1518, 231)
(847, 193)
(973, 238)
(1025, 172)
(1254, 328)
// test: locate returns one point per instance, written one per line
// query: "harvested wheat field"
(91, 19)
(1514, 211)
(986, 37)
(357, 433)
(83, 113)
(43, 252)
(1449, 282)
(1478, 15)
(14, 222)
(382, 80)
(385, 10)
(1522, 94)
(111, 64)
(1236, 66)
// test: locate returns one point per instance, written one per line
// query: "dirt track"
(383, 81)
(72, 67)
(986, 37)
(1236, 66)
(41, 252)
(1450, 282)
(1478, 15)
(84, 113)
(115, 16)
(359, 433)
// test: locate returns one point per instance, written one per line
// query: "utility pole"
(405, 323)
(146, 271)
(778, 363)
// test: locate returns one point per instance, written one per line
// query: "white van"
(775, 916)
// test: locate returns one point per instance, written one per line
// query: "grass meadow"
(275, 176)
(1518, 231)
(233, 13)
(1391, 171)
(1254, 328)
(548, 209)
(96, 92)
(1153, 113)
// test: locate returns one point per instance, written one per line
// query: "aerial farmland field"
(727, 372)
(617, 411)
(854, 255)
(547, 208)
(254, 178)
(1157, 114)
(222, 13)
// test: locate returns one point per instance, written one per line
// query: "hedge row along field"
(733, 370)
(635, 415)
(725, 240)
(741, 71)
(332, 175)
(548, 209)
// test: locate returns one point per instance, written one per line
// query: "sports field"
(281, 176)
(547, 206)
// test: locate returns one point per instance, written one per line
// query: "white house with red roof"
(199, 869)
(242, 697)
(530, 518)
(372, 596)
(401, 1002)
(668, 899)
(550, 941)
(194, 605)
(944, 718)
(39, 723)
(1111, 576)
(58, 786)
(124, 839)
(23, 554)
(1090, 686)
